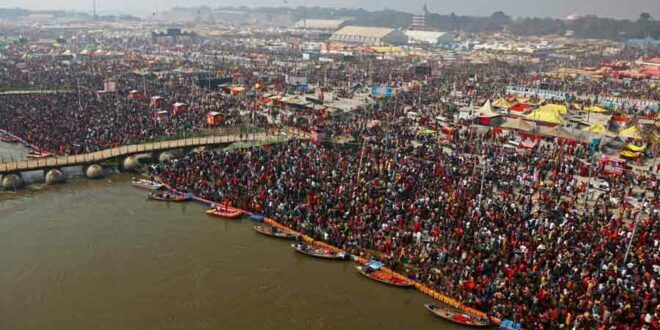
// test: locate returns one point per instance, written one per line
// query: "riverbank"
(421, 287)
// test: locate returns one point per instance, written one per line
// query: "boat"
(372, 270)
(168, 197)
(257, 217)
(319, 252)
(8, 139)
(274, 232)
(146, 184)
(225, 212)
(38, 155)
(458, 317)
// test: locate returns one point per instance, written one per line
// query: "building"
(320, 24)
(369, 36)
(419, 19)
(172, 36)
(428, 37)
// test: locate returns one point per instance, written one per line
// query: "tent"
(518, 124)
(502, 103)
(555, 107)
(631, 132)
(595, 108)
(635, 148)
(520, 107)
(630, 154)
(546, 114)
(595, 128)
(487, 116)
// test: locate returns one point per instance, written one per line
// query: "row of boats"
(372, 269)
(222, 211)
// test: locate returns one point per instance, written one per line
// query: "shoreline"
(419, 286)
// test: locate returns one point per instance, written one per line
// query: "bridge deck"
(99, 156)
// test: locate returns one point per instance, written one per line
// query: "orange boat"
(225, 212)
(384, 277)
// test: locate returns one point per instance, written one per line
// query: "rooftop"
(365, 31)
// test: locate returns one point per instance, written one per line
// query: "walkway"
(100, 156)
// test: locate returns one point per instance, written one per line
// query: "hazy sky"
(538, 8)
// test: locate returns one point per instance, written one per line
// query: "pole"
(639, 215)
(364, 142)
(481, 188)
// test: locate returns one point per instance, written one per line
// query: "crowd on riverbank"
(504, 232)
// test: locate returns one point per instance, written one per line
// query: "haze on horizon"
(629, 9)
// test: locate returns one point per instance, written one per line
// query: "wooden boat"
(319, 252)
(167, 197)
(384, 277)
(146, 184)
(458, 317)
(8, 139)
(274, 232)
(38, 155)
(225, 212)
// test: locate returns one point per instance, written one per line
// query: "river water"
(98, 255)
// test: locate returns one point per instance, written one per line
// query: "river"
(97, 255)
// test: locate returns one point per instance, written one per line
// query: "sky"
(516, 8)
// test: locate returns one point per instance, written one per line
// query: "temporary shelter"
(631, 132)
(488, 117)
(545, 114)
(595, 108)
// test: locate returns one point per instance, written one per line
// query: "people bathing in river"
(512, 237)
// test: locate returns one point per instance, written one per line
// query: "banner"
(382, 91)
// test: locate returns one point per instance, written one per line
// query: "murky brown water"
(98, 255)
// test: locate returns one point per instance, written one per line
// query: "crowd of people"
(513, 234)
(516, 233)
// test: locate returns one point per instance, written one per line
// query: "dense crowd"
(517, 234)
(505, 232)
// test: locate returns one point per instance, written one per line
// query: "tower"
(94, 8)
(419, 19)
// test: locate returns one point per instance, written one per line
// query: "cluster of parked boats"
(34, 152)
(372, 269)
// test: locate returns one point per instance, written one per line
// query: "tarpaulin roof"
(635, 148)
(518, 124)
(502, 103)
(547, 115)
(558, 107)
(595, 108)
(487, 110)
(520, 107)
(630, 132)
(596, 128)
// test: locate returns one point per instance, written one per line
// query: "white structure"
(425, 37)
(320, 24)
(369, 35)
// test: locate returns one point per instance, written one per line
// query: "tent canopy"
(487, 110)
(555, 107)
(595, 108)
(596, 128)
(502, 103)
(630, 132)
(547, 115)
